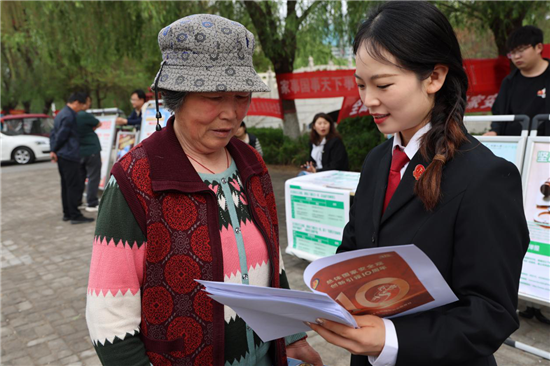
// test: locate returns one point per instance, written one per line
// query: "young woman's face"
(321, 126)
(396, 99)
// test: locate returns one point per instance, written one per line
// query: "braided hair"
(419, 37)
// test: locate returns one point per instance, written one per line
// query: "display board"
(317, 210)
(149, 119)
(106, 134)
(125, 141)
(535, 275)
(511, 148)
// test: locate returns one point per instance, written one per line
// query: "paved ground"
(45, 268)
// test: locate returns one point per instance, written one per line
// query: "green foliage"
(360, 135)
(109, 48)
(281, 150)
(500, 17)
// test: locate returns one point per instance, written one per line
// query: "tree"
(21, 72)
(278, 37)
(501, 17)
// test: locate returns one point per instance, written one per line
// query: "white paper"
(275, 313)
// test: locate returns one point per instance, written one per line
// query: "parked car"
(27, 124)
(24, 149)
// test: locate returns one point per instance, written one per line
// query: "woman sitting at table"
(327, 151)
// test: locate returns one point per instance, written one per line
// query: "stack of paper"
(275, 313)
(386, 282)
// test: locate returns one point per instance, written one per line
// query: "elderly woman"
(190, 202)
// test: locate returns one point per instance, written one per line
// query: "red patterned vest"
(180, 325)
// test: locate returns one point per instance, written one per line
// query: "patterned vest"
(180, 324)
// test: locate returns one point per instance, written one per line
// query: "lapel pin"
(418, 171)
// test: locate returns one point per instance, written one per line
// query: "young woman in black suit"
(327, 151)
(446, 193)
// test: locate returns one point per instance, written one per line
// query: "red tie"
(398, 161)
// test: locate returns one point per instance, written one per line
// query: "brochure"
(387, 282)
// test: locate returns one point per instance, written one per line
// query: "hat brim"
(210, 79)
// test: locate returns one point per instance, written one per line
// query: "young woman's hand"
(308, 167)
(368, 340)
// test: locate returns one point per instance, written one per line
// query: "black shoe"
(66, 218)
(540, 317)
(81, 220)
(528, 313)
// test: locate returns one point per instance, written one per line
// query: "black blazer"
(476, 236)
(334, 157)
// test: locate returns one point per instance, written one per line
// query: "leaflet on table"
(388, 282)
(333, 179)
(316, 217)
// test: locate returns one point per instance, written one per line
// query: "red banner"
(317, 84)
(352, 107)
(484, 77)
(265, 107)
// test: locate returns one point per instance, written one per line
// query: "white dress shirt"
(317, 153)
(388, 356)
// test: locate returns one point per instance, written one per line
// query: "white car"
(24, 149)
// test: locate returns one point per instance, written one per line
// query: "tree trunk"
(98, 98)
(27, 106)
(291, 124)
(8, 105)
(47, 106)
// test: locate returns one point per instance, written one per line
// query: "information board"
(317, 210)
(125, 141)
(106, 134)
(535, 275)
(149, 119)
(510, 148)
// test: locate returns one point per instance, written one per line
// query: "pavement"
(44, 275)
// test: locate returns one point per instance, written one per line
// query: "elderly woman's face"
(209, 120)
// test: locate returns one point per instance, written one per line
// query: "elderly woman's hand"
(368, 340)
(301, 350)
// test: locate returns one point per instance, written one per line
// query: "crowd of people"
(193, 202)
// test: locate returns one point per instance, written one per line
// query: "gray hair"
(173, 100)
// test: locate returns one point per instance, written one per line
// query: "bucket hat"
(207, 53)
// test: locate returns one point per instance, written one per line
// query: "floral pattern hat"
(207, 53)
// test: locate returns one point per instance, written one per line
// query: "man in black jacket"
(524, 90)
(65, 151)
